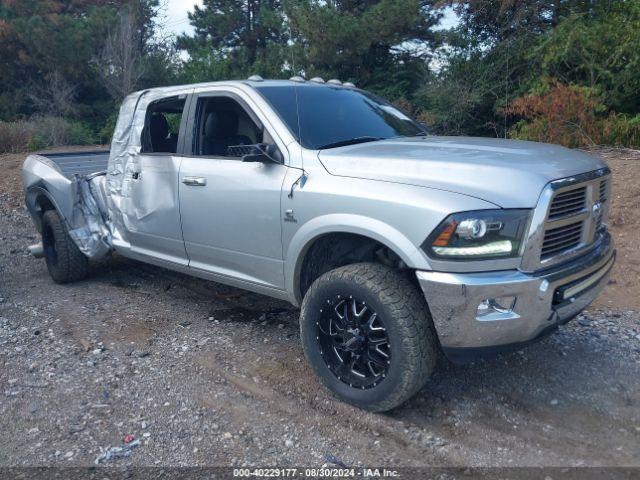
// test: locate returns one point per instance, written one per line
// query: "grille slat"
(559, 239)
(570, 238)
(568, 203)
(565, 212)
(602, 198)
(549, 251)
(570, 195)
(603, 190)
(551, 235)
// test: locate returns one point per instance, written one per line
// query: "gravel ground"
(203, 374)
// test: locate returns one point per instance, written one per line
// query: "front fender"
(346, 223)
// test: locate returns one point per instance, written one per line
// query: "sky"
(175, 17)
(176, 21)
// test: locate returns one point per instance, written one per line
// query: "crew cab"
(394, 243)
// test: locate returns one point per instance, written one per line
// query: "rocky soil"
(202, 374)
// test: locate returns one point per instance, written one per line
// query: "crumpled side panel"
(90, 230)
(78, 200)
(121, 166)
(130, 201)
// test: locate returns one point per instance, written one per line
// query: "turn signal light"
(442, 240)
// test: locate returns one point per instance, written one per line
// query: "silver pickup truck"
(395, 244)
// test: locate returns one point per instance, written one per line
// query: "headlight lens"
(478, 235)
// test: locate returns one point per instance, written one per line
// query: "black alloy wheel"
(354, 342)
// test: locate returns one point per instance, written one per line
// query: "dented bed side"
(76, 197)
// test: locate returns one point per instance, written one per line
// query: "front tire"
(367, 333)
(65, 262)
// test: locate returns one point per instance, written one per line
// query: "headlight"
(478, 235)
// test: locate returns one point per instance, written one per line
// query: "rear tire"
(373, 364)
(65, 262)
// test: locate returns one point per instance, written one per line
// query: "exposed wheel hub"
(353, 342)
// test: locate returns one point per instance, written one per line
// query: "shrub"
(15, 136)
(42, 132)
(573, 116)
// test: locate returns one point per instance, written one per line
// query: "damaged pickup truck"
(395, 244)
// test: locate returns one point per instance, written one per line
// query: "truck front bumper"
(479, 314)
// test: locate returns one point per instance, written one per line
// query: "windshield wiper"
(351, 141)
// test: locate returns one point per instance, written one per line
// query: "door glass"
(162, 126)
(221, 123)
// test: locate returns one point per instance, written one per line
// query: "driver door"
(230, 209)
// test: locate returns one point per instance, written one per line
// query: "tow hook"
(37, 250)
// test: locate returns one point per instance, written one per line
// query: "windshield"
(328, 117)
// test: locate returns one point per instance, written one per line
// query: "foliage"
(505, 54)
(15, 136)
(234, 38)
(598, 50)
(571, 115)
(382, 45)
(565, 71)
(42, 132)
(48, 50)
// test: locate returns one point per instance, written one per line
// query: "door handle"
(195, 181)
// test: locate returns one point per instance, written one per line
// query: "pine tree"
(234, 38)
(383, 45)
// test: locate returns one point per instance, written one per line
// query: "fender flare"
(369, 227)
(31, 201)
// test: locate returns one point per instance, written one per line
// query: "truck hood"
(508, 173)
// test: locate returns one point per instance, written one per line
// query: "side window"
(220, 123)
(162, 125)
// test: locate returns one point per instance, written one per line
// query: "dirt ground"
(203, 374)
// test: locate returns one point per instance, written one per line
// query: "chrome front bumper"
(543, 300)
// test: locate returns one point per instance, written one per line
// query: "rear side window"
(162, 125)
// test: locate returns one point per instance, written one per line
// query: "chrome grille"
(560, 239)
(575, 216)
(570, 218)
(568, 203)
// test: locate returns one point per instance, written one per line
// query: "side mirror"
(259, 152)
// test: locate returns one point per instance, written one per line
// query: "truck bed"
(81, 163)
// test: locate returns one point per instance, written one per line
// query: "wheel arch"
(356, 226)
(38, 200)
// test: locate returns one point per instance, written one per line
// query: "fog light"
(499, 308)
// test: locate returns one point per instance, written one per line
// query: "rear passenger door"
(151, 211)
(231, 209)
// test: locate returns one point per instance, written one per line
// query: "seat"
(221, 131)
(159, 133)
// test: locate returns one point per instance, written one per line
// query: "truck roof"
(242, 83)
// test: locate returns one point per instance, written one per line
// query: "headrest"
(221, 124)
(159, 127)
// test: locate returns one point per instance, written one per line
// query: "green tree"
(234, 38)
(49, 43)
(501, 50)
(598, 49)
(382, 45)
